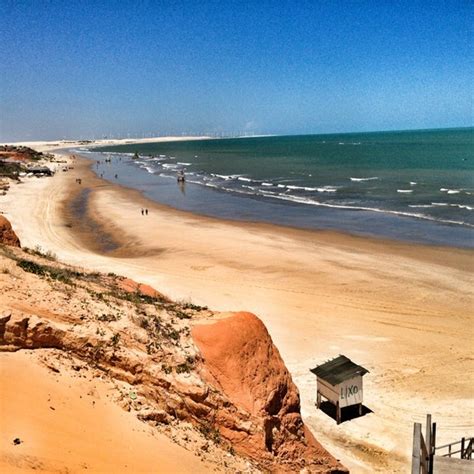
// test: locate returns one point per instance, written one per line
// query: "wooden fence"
(465, 448)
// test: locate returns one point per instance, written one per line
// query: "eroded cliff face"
(240, 359)
(7, 234)
(214, 383)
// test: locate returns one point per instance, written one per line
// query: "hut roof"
(339, 369)
(39, 169)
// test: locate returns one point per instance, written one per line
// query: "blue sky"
(85, 68)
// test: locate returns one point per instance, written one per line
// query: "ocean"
(408, 185)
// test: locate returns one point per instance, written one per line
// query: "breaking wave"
(337, 196)
(373, 178)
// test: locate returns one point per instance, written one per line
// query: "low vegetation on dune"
(10, 170)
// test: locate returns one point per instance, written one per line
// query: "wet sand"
(403, 311)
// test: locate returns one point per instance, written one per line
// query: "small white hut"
(339, 381)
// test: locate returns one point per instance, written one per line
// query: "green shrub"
(60, 274)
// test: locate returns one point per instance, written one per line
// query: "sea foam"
(365, 179)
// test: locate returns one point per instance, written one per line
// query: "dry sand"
(403, 311)
(49, 146)
(60, 418)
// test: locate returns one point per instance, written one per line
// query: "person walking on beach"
(146, 211)
(142, 211)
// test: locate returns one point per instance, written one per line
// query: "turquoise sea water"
(361, 182)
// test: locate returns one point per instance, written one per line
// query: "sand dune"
(64, 404)
(48, 146)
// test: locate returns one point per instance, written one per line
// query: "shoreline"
(323, 235)
(415, 204)
(318, 293)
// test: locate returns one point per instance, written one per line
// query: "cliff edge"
(240, 358)
(213, 383)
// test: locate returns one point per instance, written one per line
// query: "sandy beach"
(49, 146)
(402, 311)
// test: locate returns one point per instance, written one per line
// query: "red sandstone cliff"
(240, 358)
(130, 286)
(7, 234)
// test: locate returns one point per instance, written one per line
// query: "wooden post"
(432, 447)
(429, 456)
(415, 458)
(360, 409)
(318, 400)
(338, 413)
(428, 432)
(462, 447)
(433, 444)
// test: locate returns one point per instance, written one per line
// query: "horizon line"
(233, 135)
